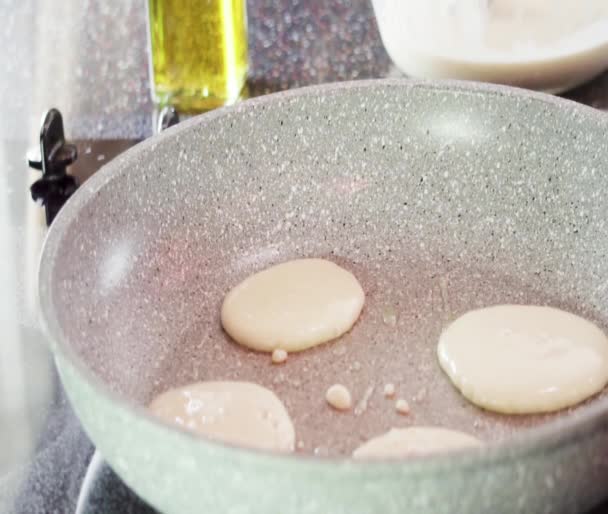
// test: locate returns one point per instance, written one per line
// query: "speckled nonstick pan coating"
(439, 197)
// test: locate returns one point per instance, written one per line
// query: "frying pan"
(439, 197)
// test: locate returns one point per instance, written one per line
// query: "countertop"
(89, 59)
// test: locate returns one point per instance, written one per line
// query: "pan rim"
(547, 436)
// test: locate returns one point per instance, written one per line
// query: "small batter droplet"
(339, 397)
(389, 316)
(279, 356)
(402, 407)
(389, 390)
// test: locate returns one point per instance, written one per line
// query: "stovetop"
(89, 60)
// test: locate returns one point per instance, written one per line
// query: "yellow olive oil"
(198, 52)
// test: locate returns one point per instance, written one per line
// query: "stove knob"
(56, 185)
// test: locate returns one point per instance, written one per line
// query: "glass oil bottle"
(198, 52)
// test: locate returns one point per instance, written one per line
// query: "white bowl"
(425, 42)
